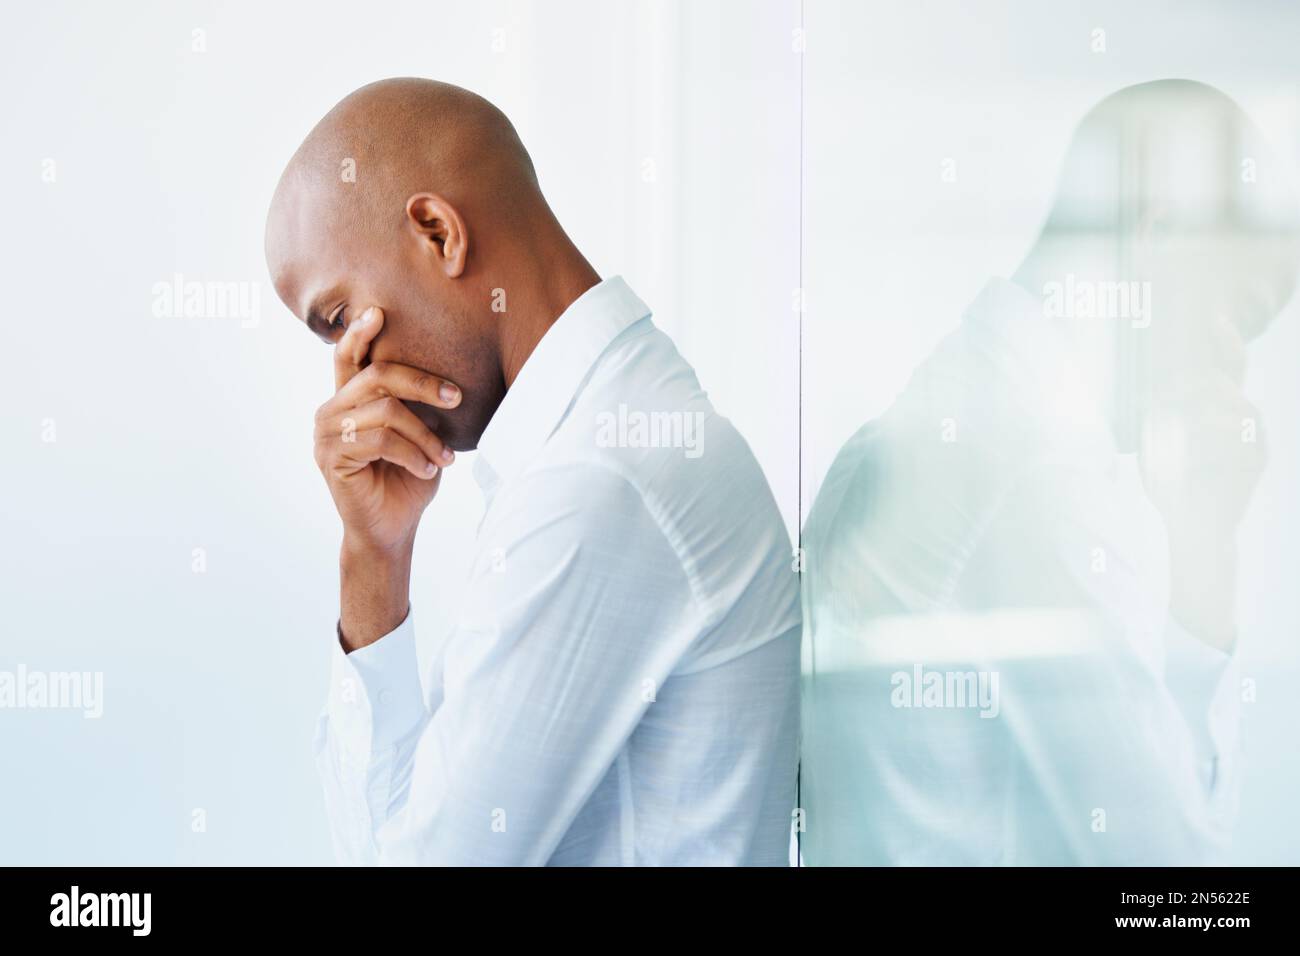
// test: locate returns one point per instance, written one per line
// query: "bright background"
(666, 138)
(176, 434)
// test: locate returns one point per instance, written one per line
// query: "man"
(621, 684)
(1048, 512)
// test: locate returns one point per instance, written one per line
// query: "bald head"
(1171, 182)
(1168, 155)
(395, 138)
(418, 197)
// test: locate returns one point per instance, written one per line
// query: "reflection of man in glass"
(1020, 578)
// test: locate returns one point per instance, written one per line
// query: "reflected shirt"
(992, 672)
(621, 687)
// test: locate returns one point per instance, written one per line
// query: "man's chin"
(451, 425)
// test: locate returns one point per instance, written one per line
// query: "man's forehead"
(302, 250)
(301, 284)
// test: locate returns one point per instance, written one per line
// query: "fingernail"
(449, 392)
(430, 469)
(447, 456)
(366, 316)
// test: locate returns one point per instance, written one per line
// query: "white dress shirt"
(987, 524)
(621, 687)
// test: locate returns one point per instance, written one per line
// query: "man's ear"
(440, 225)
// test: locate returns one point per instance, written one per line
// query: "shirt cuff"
(1205, 685)
(375, 696)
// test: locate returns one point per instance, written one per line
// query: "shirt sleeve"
(567, 630)
(1204, 683)
(374, 706)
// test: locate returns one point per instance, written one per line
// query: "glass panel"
(1048, 383)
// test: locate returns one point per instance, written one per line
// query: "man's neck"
(530, 312)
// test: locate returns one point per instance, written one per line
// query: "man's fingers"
(384, 379)
(350, 351)
(388, 413)
(349, 454)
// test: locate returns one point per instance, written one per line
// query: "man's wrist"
(374, 590)
(1202, 587)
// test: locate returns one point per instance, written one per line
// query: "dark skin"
(399, 269)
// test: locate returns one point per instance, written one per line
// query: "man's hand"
(383, 467)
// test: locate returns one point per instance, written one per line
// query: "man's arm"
(558, 653)
(374, 591)
(382, 466)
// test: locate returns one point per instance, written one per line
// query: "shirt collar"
(552, 375)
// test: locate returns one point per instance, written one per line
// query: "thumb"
(352, 348)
